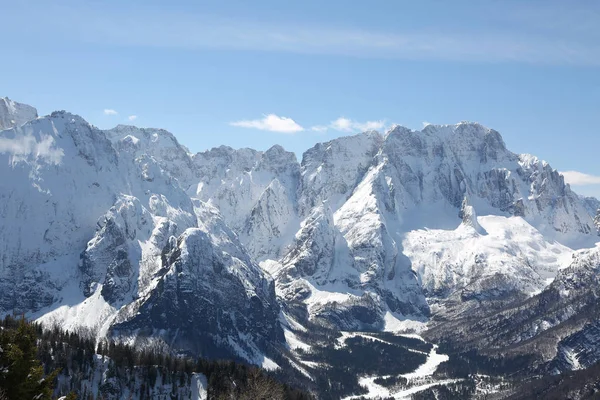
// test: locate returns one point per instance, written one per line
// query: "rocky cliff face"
(209, 299)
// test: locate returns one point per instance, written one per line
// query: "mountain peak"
(276, 149)
(398, 129)
(66, 114)
(13, 114)
(278, 153)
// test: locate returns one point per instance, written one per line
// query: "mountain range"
(442, 235)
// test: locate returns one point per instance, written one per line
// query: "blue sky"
(254, 74)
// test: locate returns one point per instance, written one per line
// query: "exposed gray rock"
(209, 302)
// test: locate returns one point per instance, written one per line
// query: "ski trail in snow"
(430, 366)
(376, 391)
(341, 341)
(405, 394)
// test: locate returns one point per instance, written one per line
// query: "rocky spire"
(469, 216)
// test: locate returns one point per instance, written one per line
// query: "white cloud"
(425, 123)
(25, 147)
(319, 128)
(272, 123)
(110, 111)
(347, 125)
(370, 125)
(577, 178)
(342, 124)
(275, 123)
(132, 117)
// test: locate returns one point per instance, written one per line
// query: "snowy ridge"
(159, 144)
(447, 260)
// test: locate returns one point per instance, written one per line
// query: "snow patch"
(199, 386)
(293, 342)
(396, 325)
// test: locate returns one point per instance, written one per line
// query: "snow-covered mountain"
(127, 233)
(418, 216)
(97, 234)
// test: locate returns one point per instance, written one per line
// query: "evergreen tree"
(21, 373)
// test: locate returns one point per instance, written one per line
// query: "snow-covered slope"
(483, 262)
(46, 221)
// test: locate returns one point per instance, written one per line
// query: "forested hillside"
(48, 364)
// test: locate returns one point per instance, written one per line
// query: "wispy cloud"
(509, 38)
(347, 125)
(319, 128)
(132, 117)
(577, 178)
(272, 123)
(110, 111)
(26, 147)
